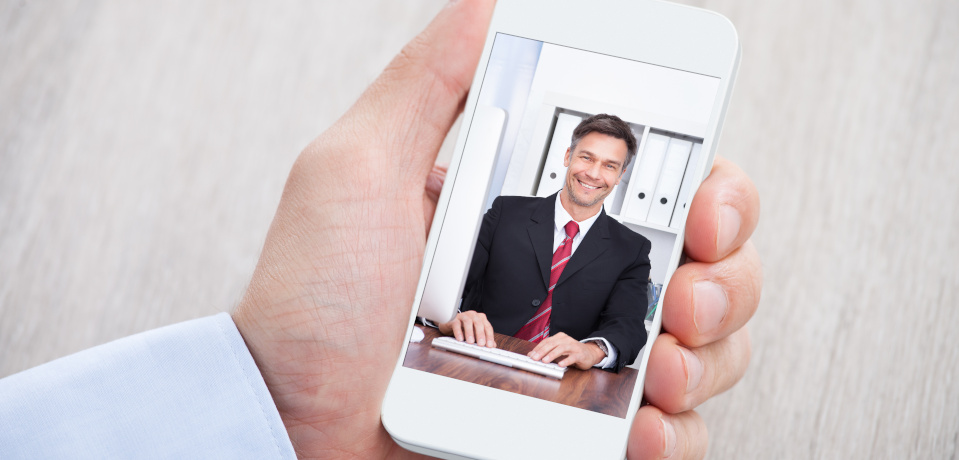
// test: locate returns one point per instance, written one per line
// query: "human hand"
(705, 346)
(325, 312)
(471, 327)
(581, 355)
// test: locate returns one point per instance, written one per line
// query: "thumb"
(411, 106)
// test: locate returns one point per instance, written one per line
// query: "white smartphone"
(607, 113)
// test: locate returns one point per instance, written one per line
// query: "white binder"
(645, 176)
(614, 202)
(685, 191)
(554, 173)
(670, 179)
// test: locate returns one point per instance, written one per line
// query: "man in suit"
(558, 271)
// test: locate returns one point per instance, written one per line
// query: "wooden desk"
(596, 390)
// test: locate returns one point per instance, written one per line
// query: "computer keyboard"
(495, 355)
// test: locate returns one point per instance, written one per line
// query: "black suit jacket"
(601, 293)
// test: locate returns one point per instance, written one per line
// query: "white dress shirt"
(561, 218)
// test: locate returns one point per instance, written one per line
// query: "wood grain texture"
(596, 390)
(144, 146)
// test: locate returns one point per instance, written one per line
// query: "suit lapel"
(593, 245)
(541, 235)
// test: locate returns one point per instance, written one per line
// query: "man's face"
(594, 168)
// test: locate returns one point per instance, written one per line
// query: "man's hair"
(610, 125)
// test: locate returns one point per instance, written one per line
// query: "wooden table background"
(144, 146)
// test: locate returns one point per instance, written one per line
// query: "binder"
(685, 191)
(670, 179)
(554, 173)
(645, 177)
(616, 198)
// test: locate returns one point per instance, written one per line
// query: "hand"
(324, 314)
(705, 347)
(581, 355)
(326, 311)
(471, 327)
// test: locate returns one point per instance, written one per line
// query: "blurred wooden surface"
(594, 389)
(144, 146)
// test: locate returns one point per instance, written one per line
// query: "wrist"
(597, 351)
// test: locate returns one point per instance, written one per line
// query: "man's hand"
(581, 355)
(471, 327)
(325, 313)
(705, 347)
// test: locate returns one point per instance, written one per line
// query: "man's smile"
(587, 186)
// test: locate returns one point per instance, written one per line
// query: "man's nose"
(593, 172)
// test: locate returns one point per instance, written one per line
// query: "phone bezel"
(441, 416)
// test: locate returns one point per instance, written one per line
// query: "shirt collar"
(561, 218)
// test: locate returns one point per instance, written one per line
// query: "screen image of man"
(558, 271)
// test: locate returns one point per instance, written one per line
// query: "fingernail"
(710, 303)
(729, 222)
(669, 438)
(694, 369)
(481, 342)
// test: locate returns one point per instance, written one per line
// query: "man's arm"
(621, 322)
(190, 388)
(474, 289)
(582, 355)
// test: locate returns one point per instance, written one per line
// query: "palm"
(346, 273)
(325, 312)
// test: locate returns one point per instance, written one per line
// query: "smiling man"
(558, 271)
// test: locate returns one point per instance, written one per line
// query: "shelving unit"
(543, 171)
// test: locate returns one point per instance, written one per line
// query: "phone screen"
(612, 279)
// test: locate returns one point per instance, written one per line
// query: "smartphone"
(603, 113)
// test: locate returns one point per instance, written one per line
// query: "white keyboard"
(495, 355)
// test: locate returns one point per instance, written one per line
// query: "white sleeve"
(187, 390)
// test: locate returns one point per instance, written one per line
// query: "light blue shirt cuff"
(187, 390)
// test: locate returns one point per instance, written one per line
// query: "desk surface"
(596, 390)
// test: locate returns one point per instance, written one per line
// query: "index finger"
(708, 301)
(723, 214)
(544, 347)
(490, 337)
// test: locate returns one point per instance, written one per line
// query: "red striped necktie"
(537, 328)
